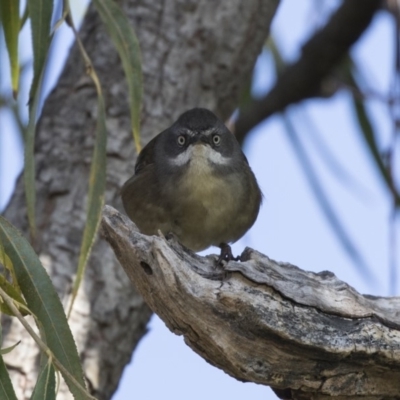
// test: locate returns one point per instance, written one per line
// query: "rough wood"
(267, 322)
(194, 53)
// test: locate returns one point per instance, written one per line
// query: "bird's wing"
(146, 156)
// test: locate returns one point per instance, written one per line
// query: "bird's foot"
(226, 254)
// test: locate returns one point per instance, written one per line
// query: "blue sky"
(291, 226)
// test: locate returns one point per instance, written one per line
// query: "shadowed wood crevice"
(266, 322)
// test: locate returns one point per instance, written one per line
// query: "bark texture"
(308, 335)
(194, 53)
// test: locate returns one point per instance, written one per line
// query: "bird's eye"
(181, 140)
(216, 139)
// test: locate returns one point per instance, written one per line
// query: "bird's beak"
(200, 139)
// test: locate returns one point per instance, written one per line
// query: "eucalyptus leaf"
(9, 12)
(370, 138)
(44, 302)
(327, 156)
(336, 224)
(349, 73)
(7, 264)
(6, 389)
(45, 388)
(97, 185)
(15, 293)
(127, 44)
(9, 349)
(40, 12)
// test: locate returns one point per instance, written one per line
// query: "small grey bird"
(194, 180)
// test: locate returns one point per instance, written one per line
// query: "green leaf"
(369, 137)
(45, 388)
(279, 63)
(40, 12)
(125, 40)
(315, 183)
(24, 17)
(29, 163)
(14, 292)
(9, 349)
(349, 73)
(97, 185)
(323, 150)
(6, 262)
(11, 288)
(9, 11)
(43, 300)
(6, 387)
(310, 172)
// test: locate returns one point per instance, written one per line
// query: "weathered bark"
(267, 322)
(195, 53)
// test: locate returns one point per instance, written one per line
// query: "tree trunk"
(309, 336)
(194, 53)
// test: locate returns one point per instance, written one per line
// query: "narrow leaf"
(11, 288)
(329, 159)
(97, 185)
(9, 11)
(369, 137)
(24, 17)
(349, 72)
(125, 40)
(29, 161)
(40, 12)
(316, 186)
(6, 262)
(45, 388)
(6, 388)
(323, 201)
(7, 350)
(279, 63)
(43, 300)
(13, 292)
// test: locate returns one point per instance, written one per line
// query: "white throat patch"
(199, 155)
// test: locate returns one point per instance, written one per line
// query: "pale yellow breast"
(202, 185)
(209, 201)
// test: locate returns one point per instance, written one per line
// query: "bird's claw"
(226, 254)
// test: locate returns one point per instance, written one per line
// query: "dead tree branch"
(266, 322)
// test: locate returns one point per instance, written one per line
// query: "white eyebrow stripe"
(208, 131)
(190, 132)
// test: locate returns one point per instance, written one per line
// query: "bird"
(193, 180)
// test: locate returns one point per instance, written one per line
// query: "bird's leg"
(226, 254)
